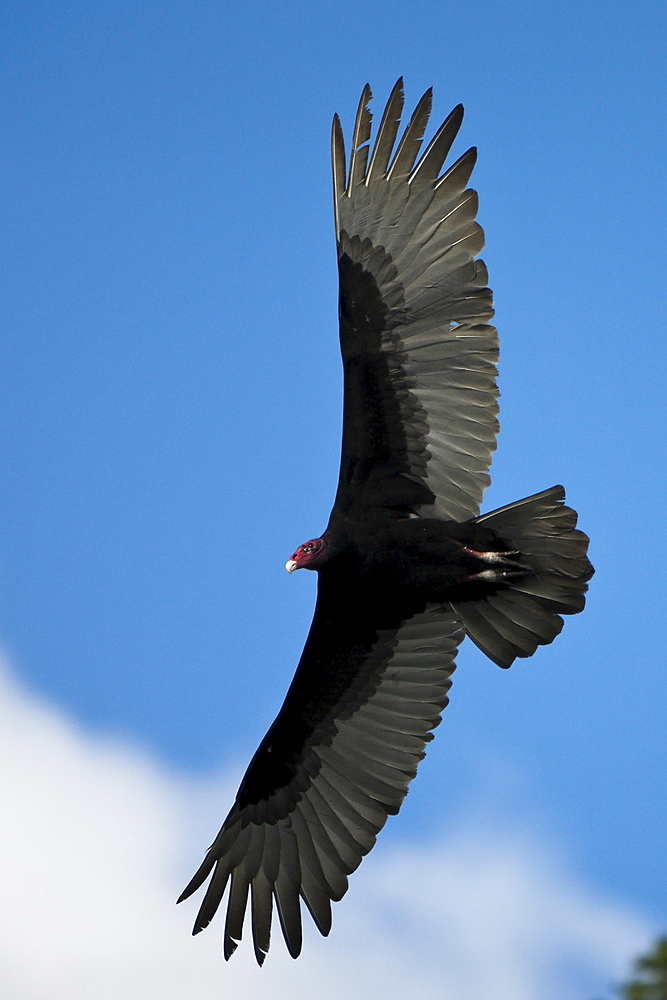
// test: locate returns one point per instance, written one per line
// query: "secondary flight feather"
(406, 566)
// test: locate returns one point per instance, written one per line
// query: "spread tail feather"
(516, 620)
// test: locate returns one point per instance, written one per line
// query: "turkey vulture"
(406, 567)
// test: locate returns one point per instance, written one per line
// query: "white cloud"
(96, 840)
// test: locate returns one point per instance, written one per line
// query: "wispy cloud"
(96, 839)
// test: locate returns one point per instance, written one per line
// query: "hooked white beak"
(290, 565)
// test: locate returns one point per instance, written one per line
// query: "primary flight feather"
(406, 567)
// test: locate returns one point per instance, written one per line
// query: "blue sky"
(171, 396)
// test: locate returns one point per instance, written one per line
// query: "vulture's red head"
(307, 556)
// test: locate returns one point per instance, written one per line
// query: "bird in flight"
(406, 566)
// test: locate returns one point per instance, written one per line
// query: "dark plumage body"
(372, 583)
(407, 566)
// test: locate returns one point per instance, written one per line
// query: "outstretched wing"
(335, 763)
(419, 420)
